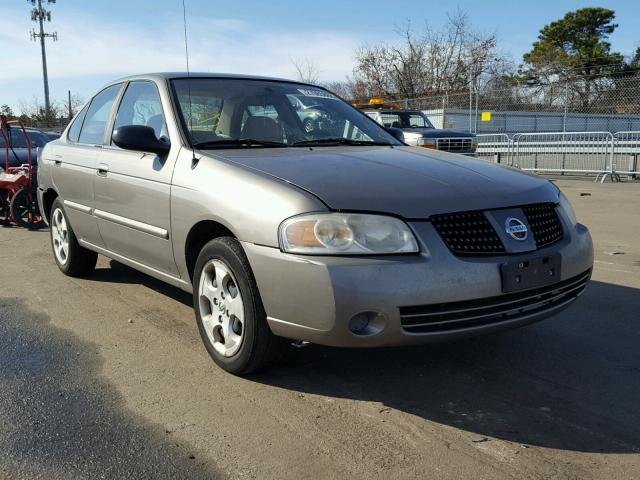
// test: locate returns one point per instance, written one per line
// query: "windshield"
(235, 113)
(405, 120)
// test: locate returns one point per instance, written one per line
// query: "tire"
(4, 209)
(74, 260)
(24, 210)
(222, 276)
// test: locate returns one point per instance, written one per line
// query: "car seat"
(262, 128)
(157, 123)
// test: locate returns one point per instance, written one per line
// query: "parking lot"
(106, 377)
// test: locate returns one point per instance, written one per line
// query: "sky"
(106, 39)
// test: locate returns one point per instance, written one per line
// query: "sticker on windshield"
(316, 92)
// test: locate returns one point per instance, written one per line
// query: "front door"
(132, 189)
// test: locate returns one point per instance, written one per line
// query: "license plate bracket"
(530, 273)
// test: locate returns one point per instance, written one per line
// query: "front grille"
(455, 144)
(446, 317)
(544, 222)
(468, 233)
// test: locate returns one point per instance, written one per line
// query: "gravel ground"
(106, 377)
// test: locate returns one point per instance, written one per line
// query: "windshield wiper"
(338, 141)
(238, 142)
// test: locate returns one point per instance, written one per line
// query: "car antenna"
(194, 160)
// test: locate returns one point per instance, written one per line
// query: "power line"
(40, 15)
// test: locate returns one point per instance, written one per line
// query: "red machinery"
(18, 202)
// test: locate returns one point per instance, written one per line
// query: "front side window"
(98, 115)
(141, 105)
(417, 120)
(231, 112)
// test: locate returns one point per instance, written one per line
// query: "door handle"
(57, 163)
(103, 169)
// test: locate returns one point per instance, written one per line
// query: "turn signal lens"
(301, 235)
(427, 143)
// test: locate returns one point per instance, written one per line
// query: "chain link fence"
(56, 125)
(610, 104)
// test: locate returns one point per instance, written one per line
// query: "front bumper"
(313, 298)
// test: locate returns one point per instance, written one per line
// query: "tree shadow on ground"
(59, 419)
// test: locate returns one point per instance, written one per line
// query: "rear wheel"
(24, 210)
(71, 258)
(229, 311)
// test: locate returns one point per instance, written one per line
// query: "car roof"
(175, 75)
(28, 129)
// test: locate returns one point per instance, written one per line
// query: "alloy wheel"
(60, 236)
(221, 307)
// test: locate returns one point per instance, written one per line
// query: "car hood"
(403, 181)
(435, 133)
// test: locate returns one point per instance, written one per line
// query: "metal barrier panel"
(493, 147)
(564, 152)
(626, 152)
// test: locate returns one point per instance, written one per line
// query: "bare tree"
(37, 113)
(306, 70)
(341, 88)
(427, 62)
(74, 104)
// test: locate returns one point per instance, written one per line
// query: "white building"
(521, 122)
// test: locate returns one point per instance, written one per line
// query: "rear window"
(76, 125)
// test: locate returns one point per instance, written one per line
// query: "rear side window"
(74, 129)
(98, 115)
(140, 105)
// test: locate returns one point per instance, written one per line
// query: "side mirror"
(396, 132)
(140, 138)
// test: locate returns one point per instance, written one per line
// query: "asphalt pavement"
(106, 377)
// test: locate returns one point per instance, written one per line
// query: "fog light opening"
(367, 323)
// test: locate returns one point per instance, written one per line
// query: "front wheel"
(229, 311)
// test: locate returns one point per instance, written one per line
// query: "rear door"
(132, 190)
(75, 161)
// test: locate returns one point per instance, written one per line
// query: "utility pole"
(40, 15)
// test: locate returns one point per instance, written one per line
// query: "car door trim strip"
(78, 206)
(136, 225)
(127, 222)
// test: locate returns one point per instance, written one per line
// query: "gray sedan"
(338, 234)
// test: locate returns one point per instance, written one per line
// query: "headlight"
(427, 142)
(568, 209)
(346, 234)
